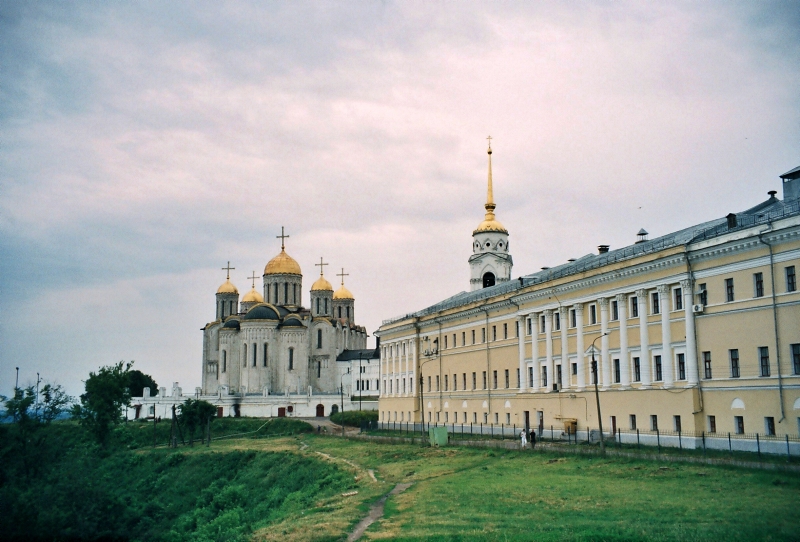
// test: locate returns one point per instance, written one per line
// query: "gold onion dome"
(252, 297)
(282, 264)
(343, 293)
(321, 284)
(490, 223)
(227, 288)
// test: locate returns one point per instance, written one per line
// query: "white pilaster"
(624, 357)
(548, 337)
(667, 365)
(691, 344)
(523, 377)
(606, 366)
(644, 339)
(579, 346)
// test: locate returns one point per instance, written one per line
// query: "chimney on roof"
(602, 249)
(772, 194)
(731, 220)
(791, 184)
(641, 236)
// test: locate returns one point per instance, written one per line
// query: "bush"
(354, 418)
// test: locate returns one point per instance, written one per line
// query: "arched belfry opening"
(488, 280)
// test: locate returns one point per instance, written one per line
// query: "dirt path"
(375, 512)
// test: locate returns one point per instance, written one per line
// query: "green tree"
(137, 381)
(19, 406)
(54, 401)
(195, 413)
(107, 393)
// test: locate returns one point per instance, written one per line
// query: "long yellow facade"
(696, 332)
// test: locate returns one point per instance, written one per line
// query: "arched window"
(319, 338)
(317, 305)
(488, 280)
(291, 359)
(224, 361)
(294, 294)
(265, 355)
(275, 293)
(348, 312)
(285, 293)
(340, 312)
(319, 369)
(230, 308)
(326, 305)
(255, 354)
(244, 355)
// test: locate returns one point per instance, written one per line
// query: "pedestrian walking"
(523, 440)
(533, 438)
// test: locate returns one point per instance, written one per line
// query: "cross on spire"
(343, 275)
(489, 139)
(321, 265)
(253, 278)
(282, 237)
(228, 269)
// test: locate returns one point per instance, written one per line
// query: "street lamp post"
(597, 397)
(341, 394)
(428, 354)
(17, 383)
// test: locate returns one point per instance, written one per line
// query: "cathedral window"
(488, 279)
(326, 305)
(285, 293)
(291, 359)
(224, 361)
(265, 355)
(230, 307)
(275, 293)
(294, 294)
(348, 312)
(319, 369)
(255, 354)
(317, 305)
(340, 312)
(319, 338)
(244, 355)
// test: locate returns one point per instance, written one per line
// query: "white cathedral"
(267, 355)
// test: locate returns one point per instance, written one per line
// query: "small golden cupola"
(227, 296)
(321, 294)
(283, 279)
(491, 261)
(252, 297)
(343, 301)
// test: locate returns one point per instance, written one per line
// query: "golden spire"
(490, 206)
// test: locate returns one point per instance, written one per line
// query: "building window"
(738, 424)
(454, 340)
(795, 358)
(455, 382)
(319, 338)
(728, 290)
(319, 369)
(769, 425)
(575, 368)
(465, 381)
(291, 359)
(437, 383)
(446, 417)
(224, 361)
(255, 355)
(505, 331)
(484, 380)
(614, 310)
(544, 377)
(758, 284)
(677, 422)
(530, 377)
(494, 333)
(494, 379)
(463, 338)
(678, 299)
(244, 355)
(429, 383)
(681, 367)
(508, 418)
(707, 364)
(558, 375)
(791, 279)
(634, 307)
(573, 319)
(557, 321)
(264, 361)
(486, 417)
(592, 314)
(445, 342)
(474, 381)
(633, 422)
(542, 324)
(530, 325)
(519, 383)
(446, 382)
(703, 294)
(483, 335)
(507, 380)
(637, 370)
(616, 371)
(655, 303)
(734, 356)
(317, 305)
(473, 336)
(712, 424)
(653, 422)
(474, 417)
(657, 361)
(326, 305)
(763, 358)
(286, 293)
(340, 312)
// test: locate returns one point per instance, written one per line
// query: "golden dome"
(227, 288)
(252, 297)
(282, 264)
(490, 224)
(343, 293)
(321, 284)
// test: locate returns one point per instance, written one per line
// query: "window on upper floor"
(733, 355)
(483, 335)
(634, 307)
(593, 314)
(758, 284)
(795, 348)
(707, 365)
(614, 310)
(556, 321)
(507, 380)
(473, 336)
(763, 358)
(463, 338)
(291, 359)
(505, 331)
(655, 303)
(445, 342)
(494, 333)
(728, 290)
(681, 366)
(530, 325)
(703, 296)
(678, 293)
(319, 338)
(791, 279)
(573, 318)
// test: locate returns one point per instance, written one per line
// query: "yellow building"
(694, 333)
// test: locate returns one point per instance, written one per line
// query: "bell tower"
(491, 261)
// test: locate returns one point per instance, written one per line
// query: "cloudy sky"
(145, 144)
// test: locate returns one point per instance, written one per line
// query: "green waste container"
(438, 436)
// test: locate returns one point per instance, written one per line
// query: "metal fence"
(730, 442)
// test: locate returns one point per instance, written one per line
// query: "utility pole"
(37, 395)
(597, 397)
(16, 385)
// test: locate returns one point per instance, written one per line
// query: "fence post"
(619, 437)
(704, 443)
(758, 447)
(788, 455)
(638, 443)
(658, 440)
(552, 438)
(491, 431)
(680, 444)
(481, 428)
(569, 437)
(588, 435)
(730, 446)
(470, 429)
(502, 431)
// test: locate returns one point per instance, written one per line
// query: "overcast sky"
(145, 144)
